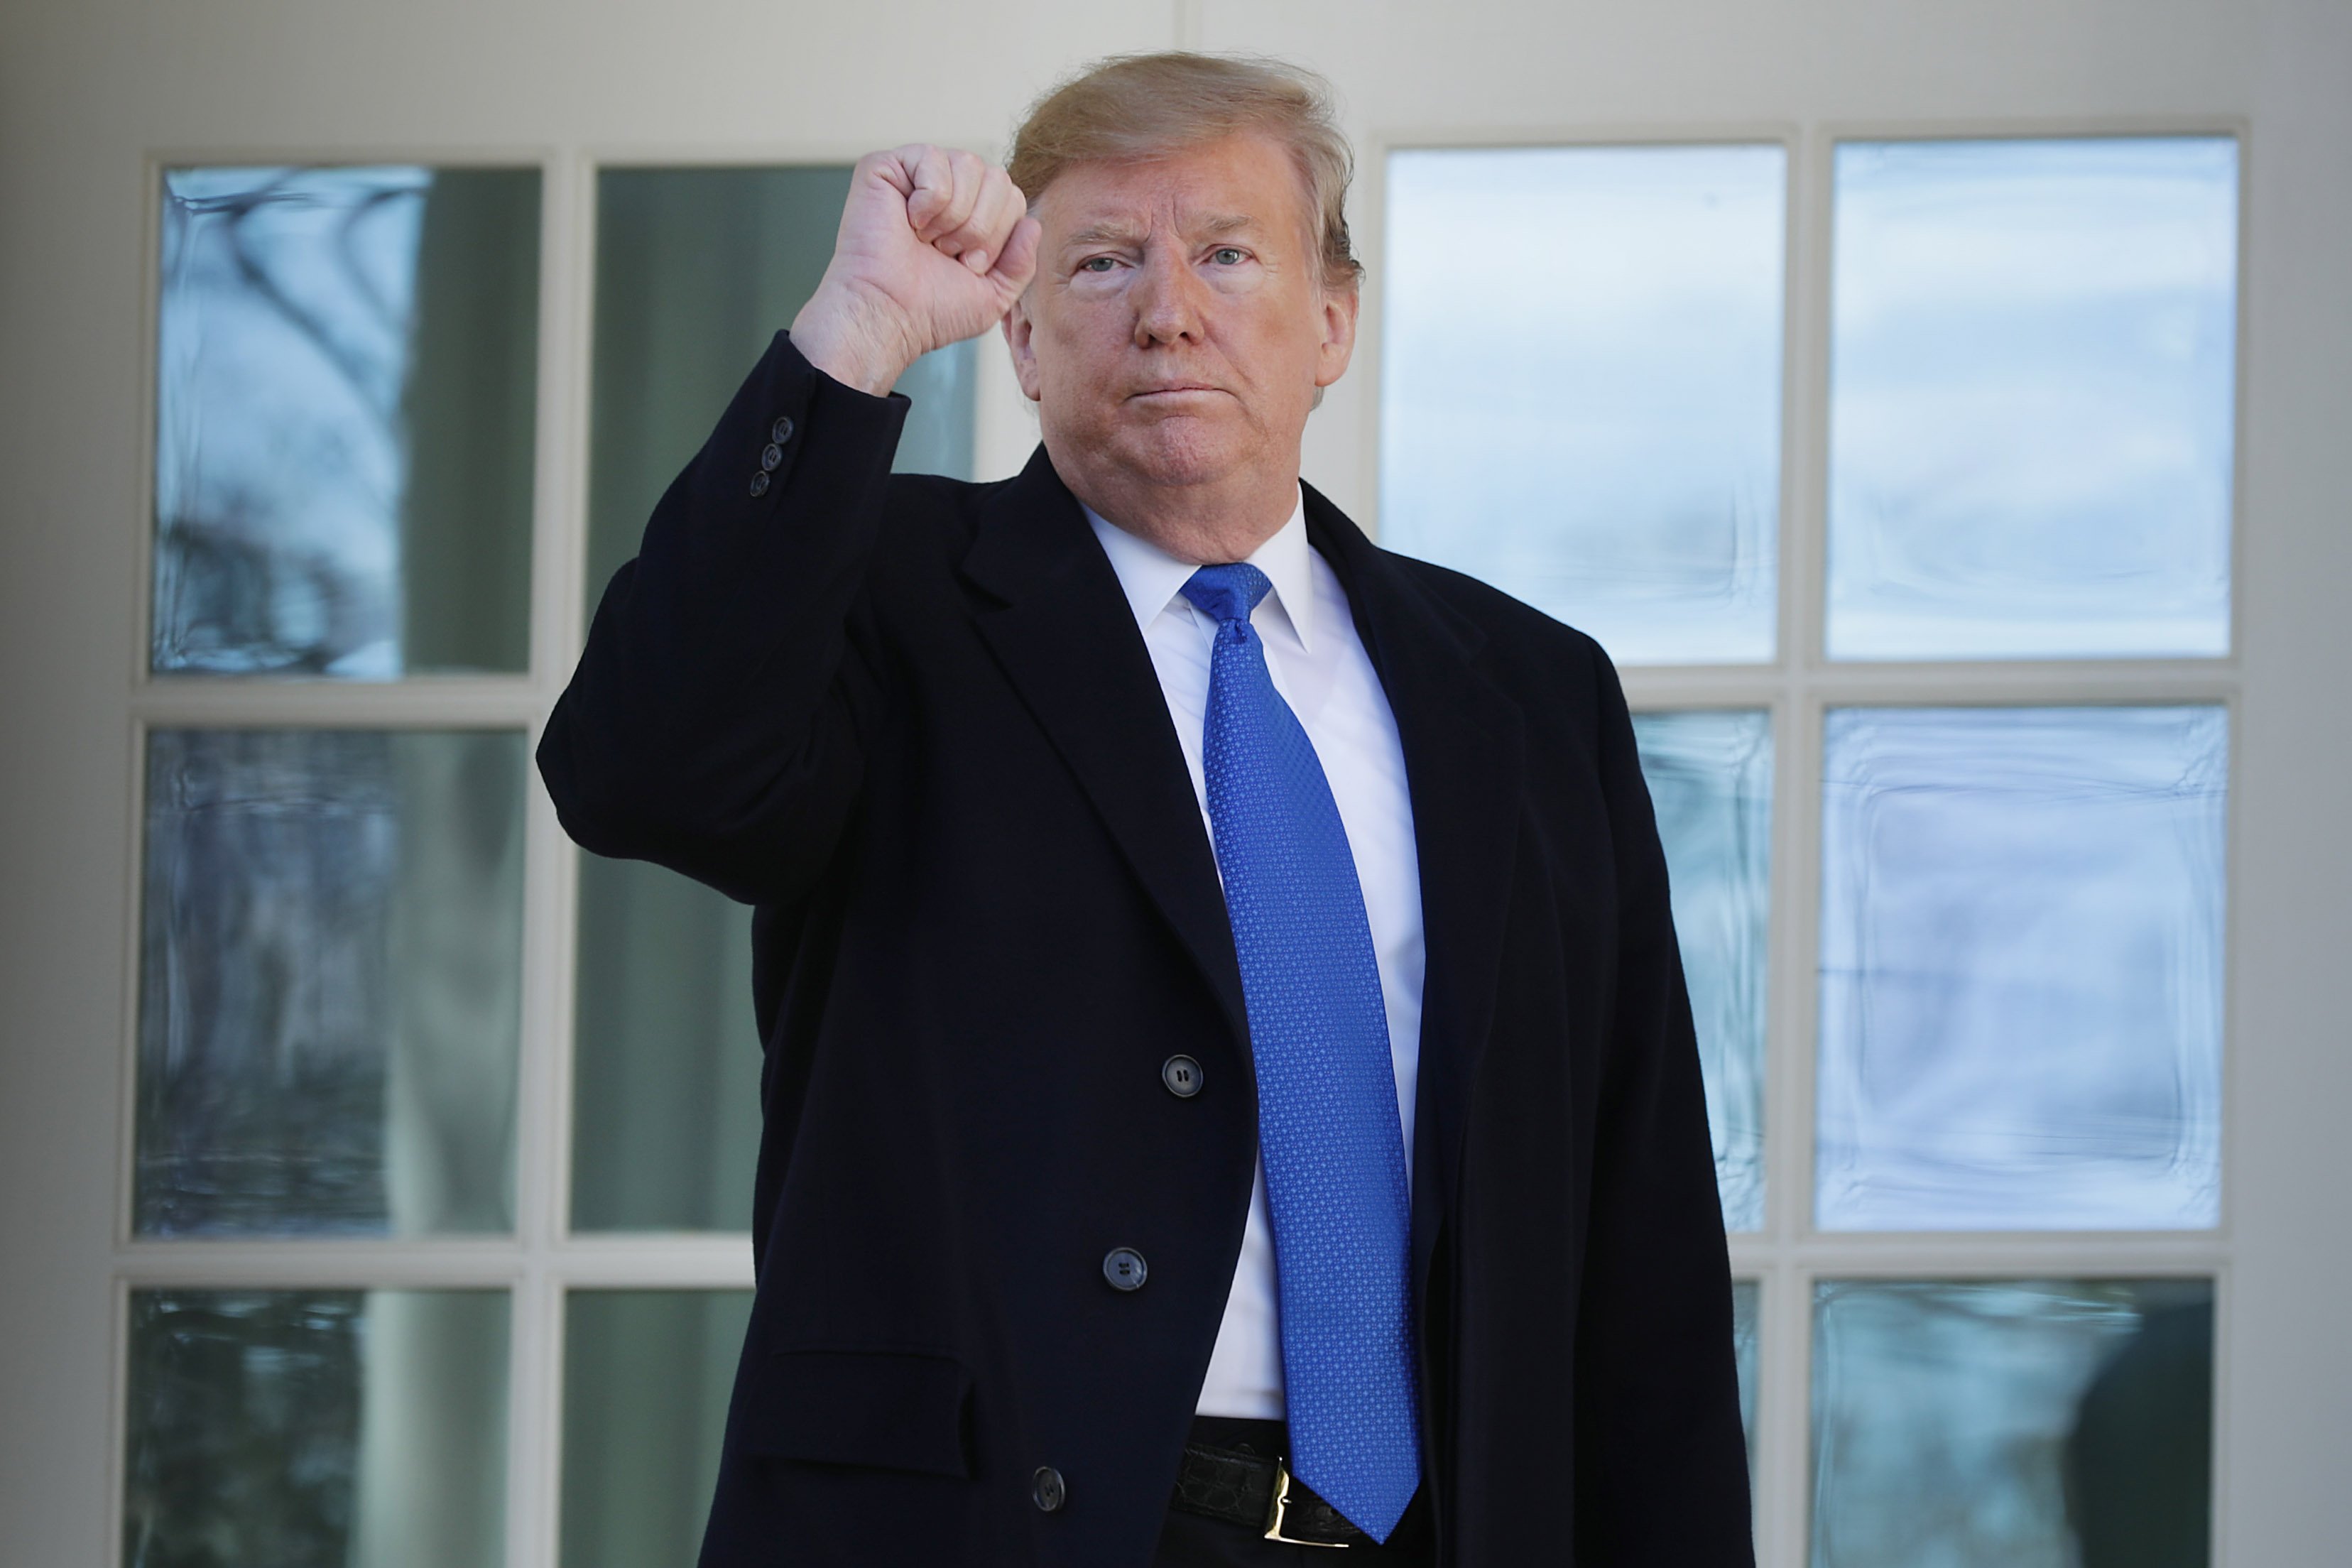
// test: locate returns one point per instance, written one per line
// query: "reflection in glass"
(1745, 1294)
(647, 1376)
(316, 1428)
(347, 363)
(696, 269)
(2012, 1425)
(1710, 777)
(2021, 984)
(1580, 385)
(331, 981)
(2032, 403)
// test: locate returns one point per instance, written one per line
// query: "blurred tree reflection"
(347, 363)
(244, 1430)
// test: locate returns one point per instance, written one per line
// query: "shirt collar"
(1153, 579)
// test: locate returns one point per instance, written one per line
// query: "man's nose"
(1167, 299)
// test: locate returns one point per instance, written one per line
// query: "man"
(1230, 1089)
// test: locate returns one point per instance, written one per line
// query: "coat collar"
(1066, 636)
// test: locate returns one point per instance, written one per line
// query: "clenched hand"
(935, 245)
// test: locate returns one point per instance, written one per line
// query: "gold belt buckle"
(1279, 1514)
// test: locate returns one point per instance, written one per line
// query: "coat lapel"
(1464, 755)
(1062, 629)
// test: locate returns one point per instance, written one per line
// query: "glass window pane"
(2031, 412)
(1580, 385)
(646, 1377)
(331, 988)
(2012, 1425)
(1710, 777)
(666, 1094)
(316, 1428)
(696, 269)
(346, 385)
(2021, 984)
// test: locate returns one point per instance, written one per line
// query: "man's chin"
(1179, 451)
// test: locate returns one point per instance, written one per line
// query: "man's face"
(1177, 328)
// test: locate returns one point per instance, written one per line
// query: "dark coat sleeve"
(1662, 1461)
(717, 720)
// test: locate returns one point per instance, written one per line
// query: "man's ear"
(1339, 308)
(1018, 332)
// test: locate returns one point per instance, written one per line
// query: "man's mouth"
(1174, 388)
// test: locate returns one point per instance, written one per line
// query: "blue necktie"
(1329, 1131)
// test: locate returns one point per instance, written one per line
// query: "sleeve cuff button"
(760, 483)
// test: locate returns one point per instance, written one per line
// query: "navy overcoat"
(911, 720)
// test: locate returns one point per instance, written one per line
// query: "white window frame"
(544, 1259)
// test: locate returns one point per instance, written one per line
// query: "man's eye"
(1226, 255)
(1096, 264)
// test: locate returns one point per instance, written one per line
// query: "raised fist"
(935, 245)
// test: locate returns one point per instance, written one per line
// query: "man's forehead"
(1238, 184)
(1100, 227)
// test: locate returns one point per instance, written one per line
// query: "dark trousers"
(1196, 1540)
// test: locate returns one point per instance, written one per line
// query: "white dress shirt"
(1321, 670)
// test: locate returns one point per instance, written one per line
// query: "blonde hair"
(1136, 108)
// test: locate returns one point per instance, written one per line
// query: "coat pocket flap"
(893, 1410)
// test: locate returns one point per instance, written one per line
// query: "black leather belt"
(1235, 1485)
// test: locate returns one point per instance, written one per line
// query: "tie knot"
(1227, 593)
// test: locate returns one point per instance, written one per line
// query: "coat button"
(782, 430)
(772, 457)
(1125, 1269)
(760, 483)
(1046, 1489)
(1182, 1077)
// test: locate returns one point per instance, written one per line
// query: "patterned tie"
(1328, 1126)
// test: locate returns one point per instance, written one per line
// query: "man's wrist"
(840, 336)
